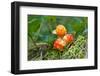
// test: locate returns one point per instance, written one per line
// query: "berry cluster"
(63, 37)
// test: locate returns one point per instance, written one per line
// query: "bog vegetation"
(57, 37)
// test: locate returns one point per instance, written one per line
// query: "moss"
(77, 50)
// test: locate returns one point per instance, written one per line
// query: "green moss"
(77, 50)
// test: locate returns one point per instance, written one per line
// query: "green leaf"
(34, 25)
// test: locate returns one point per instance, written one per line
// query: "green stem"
(49, 26)
(38, 31)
